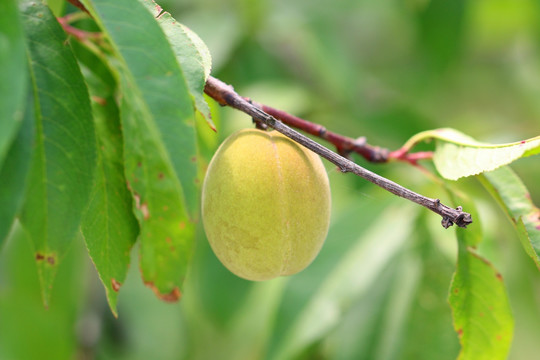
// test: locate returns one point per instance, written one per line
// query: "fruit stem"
(226, 96)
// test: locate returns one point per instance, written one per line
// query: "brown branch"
(225, 95)
(344, 145)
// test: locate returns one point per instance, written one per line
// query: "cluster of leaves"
(101, 138)
(112, 153)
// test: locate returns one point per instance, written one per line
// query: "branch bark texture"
(225, 95)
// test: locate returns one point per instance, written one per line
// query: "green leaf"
(191, 53)
(508, 189)
(480, 306)
(12, 74)
(109, 226)
(64, 154)
(352, 277)
(13, 173)
(458, 155)
(158, 122)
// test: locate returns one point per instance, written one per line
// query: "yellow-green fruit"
(265, 205)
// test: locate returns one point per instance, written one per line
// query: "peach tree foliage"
(101, 136)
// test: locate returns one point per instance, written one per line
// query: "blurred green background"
(385, 70)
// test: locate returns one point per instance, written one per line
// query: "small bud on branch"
(225, 95)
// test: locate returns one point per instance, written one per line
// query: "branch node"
(259, 124)
(446, 222)
(346, 153)
(463, 219)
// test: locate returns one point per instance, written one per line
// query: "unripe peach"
(265, 205)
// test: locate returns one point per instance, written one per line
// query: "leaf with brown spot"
(109, 226)
(64, 158)
(172, 296)
(480, 307)
(510, 192)
(115, 285)
(158, 122)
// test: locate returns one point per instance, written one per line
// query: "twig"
(344, 145)
(225, 95)
(412, 158)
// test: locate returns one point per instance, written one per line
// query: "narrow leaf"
(158, 122)
(12, 74)
(458, 155)
(191, 53)
(109, 226)
(353, 277)
(14, 172)
(64, 154)
(508, 189)
(480, 306)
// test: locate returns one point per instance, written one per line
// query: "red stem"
(81, 35)
(344, 145)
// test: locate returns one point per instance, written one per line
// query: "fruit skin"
(265, 205)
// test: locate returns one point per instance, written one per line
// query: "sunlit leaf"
(192, 54)
(13, 70)
(158, 123)
(480, 306)
(508, 189)
(64, 154)
(458, 155)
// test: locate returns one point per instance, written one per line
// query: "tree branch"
(225, 95)
(344, 145)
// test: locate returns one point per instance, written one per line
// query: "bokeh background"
(378, 290)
